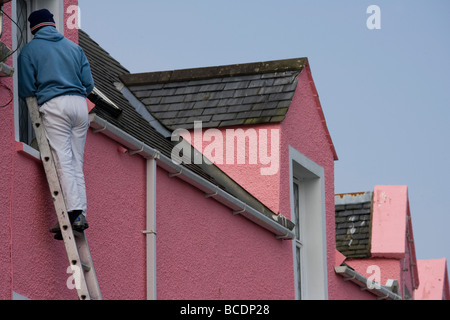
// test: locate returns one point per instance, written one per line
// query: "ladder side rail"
(86, 259)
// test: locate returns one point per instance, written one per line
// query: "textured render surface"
(248, 172)
(6, 166)
(70, 16)
(116, 187)
(434, 283)
(205, 252)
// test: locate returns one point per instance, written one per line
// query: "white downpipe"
(151, 229)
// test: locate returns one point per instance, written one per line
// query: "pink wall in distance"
(205, 252)
(434, 282)
(389, 221)
(391, 250)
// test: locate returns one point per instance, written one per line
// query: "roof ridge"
(232, 70)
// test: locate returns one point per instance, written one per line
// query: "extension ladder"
(76, 245)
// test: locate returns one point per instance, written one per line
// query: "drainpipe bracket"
(175, 174)
(132, 152)
(210, 195)
(100, 129)
(240, 211)
(282, 237)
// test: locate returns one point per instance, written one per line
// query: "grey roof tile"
(239, 108)
(204, 104)
(246, 90)
(223, 116)
(229, 123)
(248, 114)
(277, 118)
(190, 113)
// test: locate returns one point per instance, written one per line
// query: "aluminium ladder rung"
(75, 243)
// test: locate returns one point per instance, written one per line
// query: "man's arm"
(27, 78)
(86, 75)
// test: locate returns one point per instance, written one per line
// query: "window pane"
(296, 212)
(26, 131)
(299, 274)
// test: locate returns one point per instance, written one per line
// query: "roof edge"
(295, 64)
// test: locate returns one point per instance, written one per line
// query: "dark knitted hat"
(39, 19)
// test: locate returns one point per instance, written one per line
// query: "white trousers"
(66, 122)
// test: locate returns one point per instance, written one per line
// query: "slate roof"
(232, 95)
(106, 71)
(353, 224)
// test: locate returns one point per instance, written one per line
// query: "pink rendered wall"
(116, 186)
(205, 252)
(389, 268)
(70, 14)
(434, 283)
(247, 174)
(6, 165)
(389, 221)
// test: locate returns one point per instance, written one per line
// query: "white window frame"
(310, 178)
(57, 8)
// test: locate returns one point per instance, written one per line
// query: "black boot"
(73, 215)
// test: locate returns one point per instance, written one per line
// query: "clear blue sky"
(385, 93)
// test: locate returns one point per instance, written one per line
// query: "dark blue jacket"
(51, 66)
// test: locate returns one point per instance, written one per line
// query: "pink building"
(434, 284)
(258, 223)
(375, 237)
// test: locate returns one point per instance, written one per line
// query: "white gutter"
(211, 191)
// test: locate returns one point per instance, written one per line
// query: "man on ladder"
(56, 71)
